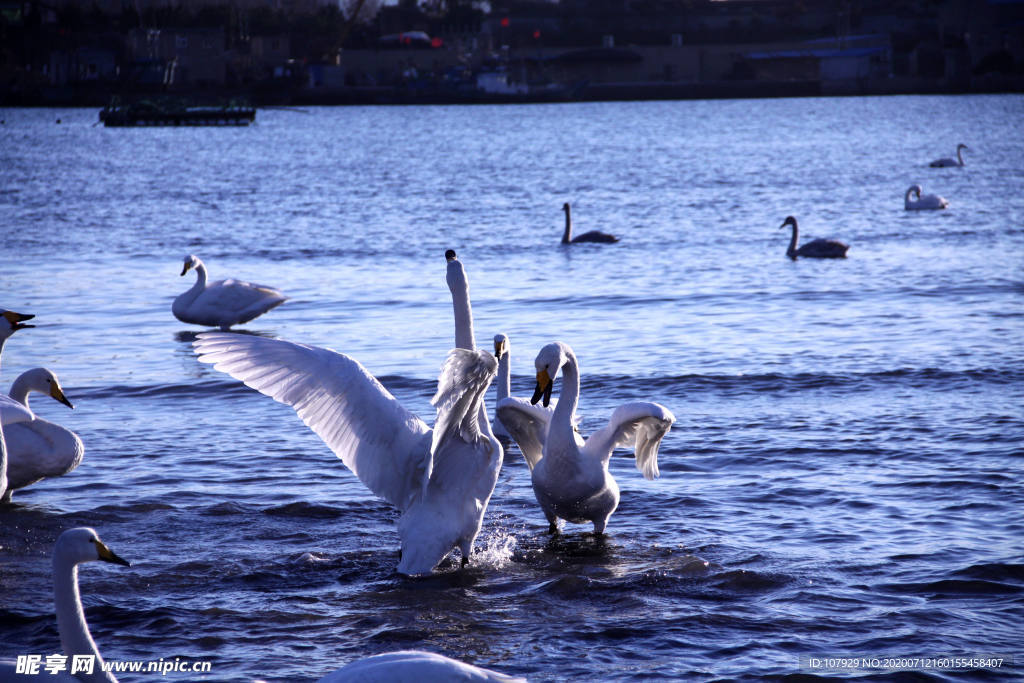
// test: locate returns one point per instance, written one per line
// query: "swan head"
(789, 221)
(43, 381)
(191, 261)
(12, 322)
(500, 345)
(961, 146)
(83, 544)
(548, 362)
(565, 207)
(915, 190)
(456, 276)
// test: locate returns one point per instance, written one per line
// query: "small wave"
(951, 588)
(303, 509)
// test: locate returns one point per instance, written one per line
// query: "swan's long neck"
(792, 242)
(3, 462)
(504, 376)
(561, 432)
(567, 235)
(20, 390)
(74, 632)
(959, 158)
(459, 286)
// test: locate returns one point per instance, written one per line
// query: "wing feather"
(384, 444)
(464, 378)
(527, 424)
(641, 424)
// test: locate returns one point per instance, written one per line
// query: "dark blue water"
(843, 479)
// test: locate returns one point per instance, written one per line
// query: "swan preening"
(818, 248)
(913, 200)
(591, 236)
(73, 547)
(223, 303)
(414, 666)
(38, 449)
(947, 161)
(441, 479)
(570, 475)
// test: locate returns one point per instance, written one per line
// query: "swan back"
(414, 666)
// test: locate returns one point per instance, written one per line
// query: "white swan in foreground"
(947, 161)
(541, 414)
(10, 410)
(73, 547)
(440, 479)
(818, 248)
(413, 666)
(592, 236)
(223, 303)
(39, 449)
(570, 476)
(913, 200)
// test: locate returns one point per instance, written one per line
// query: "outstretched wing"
(527, 424)
(383, 444)
(642, 424)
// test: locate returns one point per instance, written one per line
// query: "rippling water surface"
(844, 476)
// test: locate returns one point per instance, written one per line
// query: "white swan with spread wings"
(570, 475)
(441, 479)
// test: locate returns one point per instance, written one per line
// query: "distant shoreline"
(77, 96)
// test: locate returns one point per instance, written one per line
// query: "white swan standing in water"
(440, 479)
(570, 476)
(947, 161)
(73, 547)
(39, 449)
(414, 666)
(592, 236)
(541, 414)
(913, 200)
(818, 248)
(10, 410)
(223, 303)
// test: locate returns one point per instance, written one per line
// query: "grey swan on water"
(947, 161)
(591, 236)
(913, 200)
(818, 248)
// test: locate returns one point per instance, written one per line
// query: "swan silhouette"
(592, 236)
(414, 666)
(921, 202)
(569, 474)
(39, 449)
(947, 161)
(541, 414)
(441, 479)
(73, 547)
(818, 248)
(222, 303)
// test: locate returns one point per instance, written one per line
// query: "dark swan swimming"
(592, 236)
(815, 248)
(947, 161)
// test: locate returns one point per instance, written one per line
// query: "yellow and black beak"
(544, 387)
(58, 393)
(499, 348)
(17, 319)
(108, 555)
(184, 268)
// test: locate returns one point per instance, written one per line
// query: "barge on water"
(175, 112)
